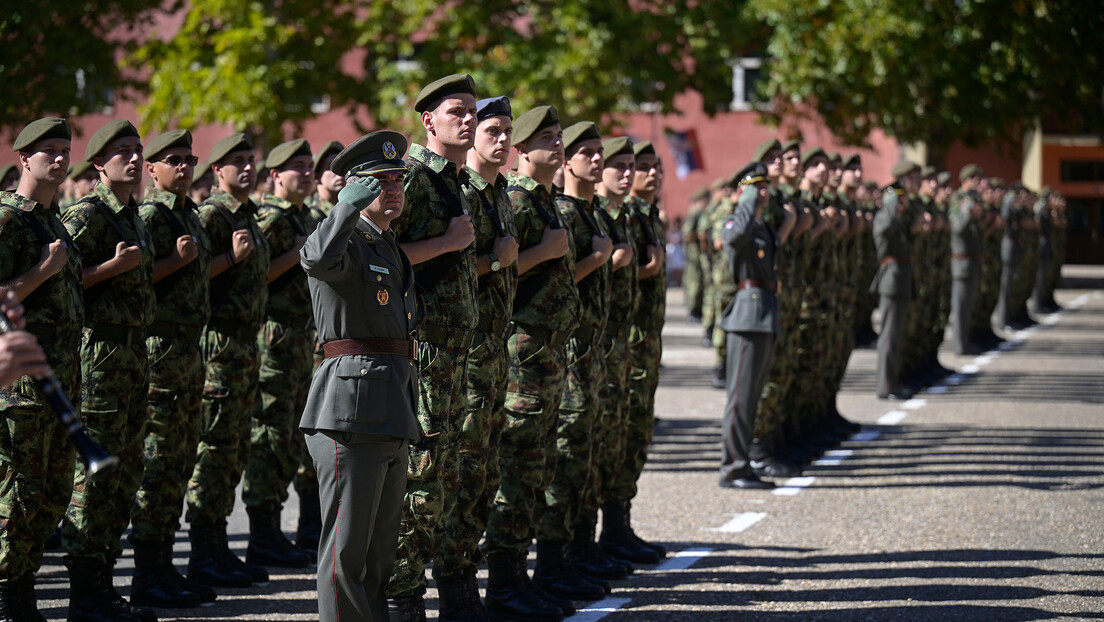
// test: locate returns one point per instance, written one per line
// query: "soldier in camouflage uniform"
(203, 180)
(966, 259)
(82, 178)
(117, 253)
(286, 345)
(436, 231)
(546, 311)
(578, 416)
(39, 265)
(645, 350)
(329, 183)
(1047, 218)
(238, 290)
(692, 276)
(1024, 281)
(704, 232)
(180, 284)
(722, 289)
(496, 263)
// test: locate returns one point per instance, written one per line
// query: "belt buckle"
(413, 355)
(468, 338)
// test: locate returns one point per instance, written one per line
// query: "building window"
(1082, 170)
(745, 78)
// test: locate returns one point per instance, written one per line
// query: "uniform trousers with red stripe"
(361, 486)
(748, 364)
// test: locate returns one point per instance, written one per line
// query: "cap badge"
(389, 151)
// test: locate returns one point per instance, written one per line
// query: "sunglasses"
(177, 160)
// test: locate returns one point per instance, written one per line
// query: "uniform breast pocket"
(362, 391)
(380, 283)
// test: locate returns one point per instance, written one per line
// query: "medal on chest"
(762, 253)
(383, 297)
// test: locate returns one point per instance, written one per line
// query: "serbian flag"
(688, 157)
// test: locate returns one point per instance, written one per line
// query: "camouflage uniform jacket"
(126, 299)
(648, 231)
(448, 282)
(183, 297)
(496, 289)
(581, 218)
(288, 296)
(238, 295)
(624, 291)
(547, 295)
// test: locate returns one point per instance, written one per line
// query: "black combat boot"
(25, 605)
(310, 525)
(268, 546)
(153, 584)
(658, 548)
(229, 559)
(9, 602)
(555, 576)
(206, 566)
(205, 593)
(584, 555)
(92, 596)
(510, 595)
(617, 538)
(459, 599)
(720, 376)
(409, 607)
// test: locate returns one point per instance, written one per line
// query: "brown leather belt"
(379, 345)
(964, 256)
(754, 284)
(891, 259)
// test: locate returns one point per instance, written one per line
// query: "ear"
(149, 168)
(427, 121)
(97, 163)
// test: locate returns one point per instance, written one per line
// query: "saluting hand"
(360, 192)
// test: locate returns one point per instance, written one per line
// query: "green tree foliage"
(60, 58)
(935, 70)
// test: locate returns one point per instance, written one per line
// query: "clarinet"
(95, 459)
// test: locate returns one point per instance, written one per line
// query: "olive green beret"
(579, 132)
(331, 147)
(970, 170)
(448, 85)
(169, 140)
(200, 171)
(534, 121)
(644, 147)
(812, 153)
(752, 173)
(766, 147)
(791, 145)
(378, 152)
(834, 157)
(283, 152)
(852, 160)
(114, 130)
(929, 171)
(50, 127)
(701, 195)
(619, 145)
(79, 168)
(228, 145)
(903, 168)
(943, 178)
(5, 170)
(996, 182)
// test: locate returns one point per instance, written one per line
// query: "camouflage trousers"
(645, 350)
(433, 476)
(526, 454)
(115, 386)
(172, 434)
(277, 446)
(692, 283)
(478, 458)
(229, 392)
(576, 422)
(610, 426)
(37, 461)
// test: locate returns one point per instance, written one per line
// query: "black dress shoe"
(771, 467)
(896, 397)
(747, 482)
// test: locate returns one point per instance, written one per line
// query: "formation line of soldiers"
(470, 353)
(796, 247)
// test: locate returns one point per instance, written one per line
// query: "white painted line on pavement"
(599, 610)
(914, 403)
(865, 435)
(1079, 302)
(740, 522)
(833, 457)
(684, 559)
(953, 380)
(892, 417)
(793, 486)
(970, 369)
(985, 359)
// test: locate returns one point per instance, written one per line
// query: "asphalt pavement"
(979, 500)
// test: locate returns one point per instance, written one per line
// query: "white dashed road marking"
(741, 522)
(893, 417)
(793, 486)
(833, 457)
(600, 609)
(684, 559)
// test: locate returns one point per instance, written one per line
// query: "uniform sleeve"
(529, 227)
(736, 228)
(417, 217)
(80, 222)
(327, 255)
(215, 226)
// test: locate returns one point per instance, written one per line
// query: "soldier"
(692, 276)
(437, 234)
(239, 274)
(1044, 217)
(362, 293)
(40, 265)
(577, 420)
(752, 321)
(329, 183)
(202, 181)
(117, 254)
(496, 257)
(966, 252)
(82, 178)
(285, 343)
(9, 178)
(893, 283)
(180, 284)
(618, 538)
(546, 311)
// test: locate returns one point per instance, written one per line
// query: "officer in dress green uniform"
(39, 265)
(118, 256)
(893, 283)
(360, 411)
